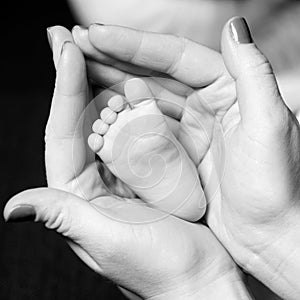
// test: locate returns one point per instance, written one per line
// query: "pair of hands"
(253, 198)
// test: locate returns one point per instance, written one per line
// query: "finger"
(129, 295)
(64, 127)
(102, 232)
(81, 38)
(181, 58)
(257, 89)
(107, 75)
(57, 36)
(170, 104)
(70, 216)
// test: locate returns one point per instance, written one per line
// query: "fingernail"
(80, 27)
(49, 35)
(240, 31)
(22, 213)
(63, 46)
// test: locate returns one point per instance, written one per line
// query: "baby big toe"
(136, 91)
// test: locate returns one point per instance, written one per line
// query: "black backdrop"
(34, 262)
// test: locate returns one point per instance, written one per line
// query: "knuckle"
(59, 217)
(258, 63)
(178, 55)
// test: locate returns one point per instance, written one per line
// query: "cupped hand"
(70, 164)
(139, 248)
(143, 250)
(253, 190)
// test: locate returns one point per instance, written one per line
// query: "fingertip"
(79, 32)
(70, 52)
(59, 35)
(71, 70)
(80, 28)
(81, 39)
(98, 27)
(6, 211)
(21, 207)
(100, 36)
(9, 207)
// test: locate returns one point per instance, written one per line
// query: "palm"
(128, 225)
(251, 164)
(230, 160)
(78, 171)
(131, 227)
(113, 235)
(70, 164)
(251, 188)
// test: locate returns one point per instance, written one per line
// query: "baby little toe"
(95, 142)
(108, 116)
(116, 103)
(100, 127)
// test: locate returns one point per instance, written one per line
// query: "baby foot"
(134, 141)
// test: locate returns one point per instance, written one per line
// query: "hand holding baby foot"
(255, 210)
(166, 259)
(69, 161)
(185, 262)
(256, 214)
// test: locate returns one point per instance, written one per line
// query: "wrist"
(229, 286)
(278, 264)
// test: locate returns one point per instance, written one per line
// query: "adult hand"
(167, 258)
(255, 211)
(69, 161)
(141, 249)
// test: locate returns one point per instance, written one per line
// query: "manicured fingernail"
(240, 31)
(22, 213)
(49, 35)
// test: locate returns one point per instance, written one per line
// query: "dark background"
(34, 263)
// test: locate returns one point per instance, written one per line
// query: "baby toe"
(95, 142)
(136, 91)
(108, 116)
(100, 127)
(116, 103)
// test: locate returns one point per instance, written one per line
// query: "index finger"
(63, 137)
(183, 59)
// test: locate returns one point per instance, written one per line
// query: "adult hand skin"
(254, 201)
(141, 249)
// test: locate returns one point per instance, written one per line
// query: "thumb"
(50, 206)
(257, 89)
(81, 221)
